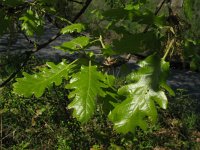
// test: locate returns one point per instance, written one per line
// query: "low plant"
(69, 94)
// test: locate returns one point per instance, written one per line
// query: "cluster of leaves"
(136, 102)
(130, 24)
(85, 84)
(31, 15)
(191, 43)
(39, 123)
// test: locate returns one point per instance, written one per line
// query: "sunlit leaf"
(73, 28)
(37, 83)
(75, 44)
(86, 85)
(143, 90)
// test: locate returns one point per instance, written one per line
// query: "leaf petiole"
(168, 48)
(101, 40)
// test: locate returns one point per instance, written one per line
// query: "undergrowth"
(46, 123)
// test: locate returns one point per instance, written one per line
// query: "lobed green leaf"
(37, 83)
(86, 85)
(141, 94)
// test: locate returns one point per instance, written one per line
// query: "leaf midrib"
(89, 84)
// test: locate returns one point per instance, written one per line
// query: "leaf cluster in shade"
(32, 23)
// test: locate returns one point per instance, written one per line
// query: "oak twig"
(40, 46)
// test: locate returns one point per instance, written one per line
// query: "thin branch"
(52, 21)
(28, 54)
(40, 46)
(87, 3)
(158, 8)
(26, 37)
